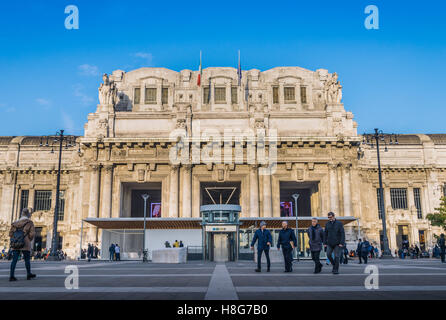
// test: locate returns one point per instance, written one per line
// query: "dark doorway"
(220, 193)
(154, 209)
(38, 240)
(287, 203)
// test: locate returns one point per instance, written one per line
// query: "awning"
(195, 223)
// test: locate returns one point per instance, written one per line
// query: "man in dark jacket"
(287, 239)
(334, 240)
(364, 250)
(264, 240)
(442, 245)
(316, 239)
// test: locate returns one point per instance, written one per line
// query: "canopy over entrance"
(196, 223)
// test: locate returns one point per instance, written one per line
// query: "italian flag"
(200, 73)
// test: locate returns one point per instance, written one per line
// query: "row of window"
(398, 200)
(150, 95)
(42, 201)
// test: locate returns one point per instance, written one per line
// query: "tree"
(438, 219)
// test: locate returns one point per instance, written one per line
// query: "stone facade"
(148, 115)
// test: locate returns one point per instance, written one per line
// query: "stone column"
(107, 192)
(281, 95)
(346, 190)
(31, 196)
(6, 213)
(228, 95)
(186, 186)
(267, 201)
(254, 191)
(334, 192)
(211, 95)
(173, 201)
(94, 192)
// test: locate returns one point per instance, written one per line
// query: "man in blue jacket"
(287, 239)
(264, 241)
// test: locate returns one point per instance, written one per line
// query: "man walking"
(365, 250)
(334, 240)
(316, 239)
(21, 234)
(264, 240)
(442, 245)
(287, 239)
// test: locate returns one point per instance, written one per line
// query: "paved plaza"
(398, 279)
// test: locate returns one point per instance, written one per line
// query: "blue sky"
(393, 78)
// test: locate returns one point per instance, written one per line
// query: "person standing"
(118, 252)
(442, 245)
(287, 239)
(89, 252)
(334, 240)
(264, 241)
(21, 234)
(316, 239)
(111, 251)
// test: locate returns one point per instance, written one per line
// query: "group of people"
(332, 238)
(176, 244)
(114, 252)
(365, 250)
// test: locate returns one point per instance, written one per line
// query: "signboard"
(221, 228)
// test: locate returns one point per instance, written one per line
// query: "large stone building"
(252, 140)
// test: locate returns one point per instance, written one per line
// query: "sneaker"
(12, 279)
(30, 276)
(335, 272)
(258, 270)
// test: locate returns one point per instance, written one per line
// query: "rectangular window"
(220, 95)
(24, 197)
(417, 200)
(137, 97)
(275, 94)
(303, 94)
(398, 198)
(61, 215)
(380, 212)
(234, 98)
(42, 200)
(206, 95)
(165, 96)
(150, 97)
(289, 94)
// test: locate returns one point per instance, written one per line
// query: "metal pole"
(144, 254)
(386, 249)
(53, 254)
(80, 244)
(296, 196)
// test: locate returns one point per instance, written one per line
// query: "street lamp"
(393, 140)
(69, 142)
(296, 196)
(144, 252)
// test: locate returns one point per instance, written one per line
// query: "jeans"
(259, 258)
(315, 255)
(442, 254)
(15, 258)
(337, 250)
(288, 258)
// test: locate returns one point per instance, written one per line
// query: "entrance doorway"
(221, 247)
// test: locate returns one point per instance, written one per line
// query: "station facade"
(251, 141)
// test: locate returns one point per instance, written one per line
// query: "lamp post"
(371, 139)
(296, 196)
(69, 142)
(144, 252)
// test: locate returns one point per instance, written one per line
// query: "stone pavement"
(398, 279)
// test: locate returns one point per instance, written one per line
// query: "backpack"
(18, 238)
